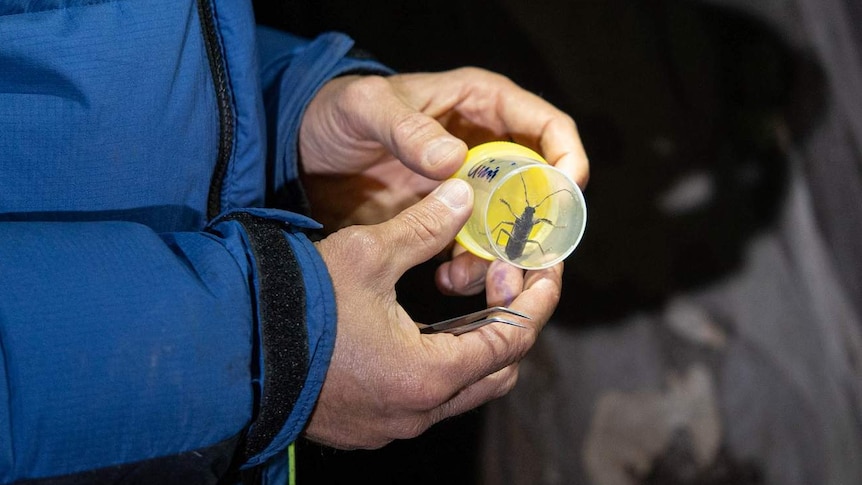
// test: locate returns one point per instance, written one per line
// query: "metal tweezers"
(472, 321)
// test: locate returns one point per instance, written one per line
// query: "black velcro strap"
(283, 330)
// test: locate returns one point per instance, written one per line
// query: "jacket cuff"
(296, 315)
(292, 72)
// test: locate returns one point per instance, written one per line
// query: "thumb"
(414, 137)
(421, 231)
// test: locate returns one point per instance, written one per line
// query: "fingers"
(415, 138)
(463, 275)
(398, 381)
(467, 275)
(483, 391)
(503, 283)
(489, 349)
(406, 114)
(536, 123)
(421, 231)
(562, 147)
(541, 293)
(494, 102)
(405, 379)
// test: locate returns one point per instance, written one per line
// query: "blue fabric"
(277, 471)
(119, 345)
(67, 90)
(246, 175)
(126, 323)
(292, 72)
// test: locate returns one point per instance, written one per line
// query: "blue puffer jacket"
(158, 324)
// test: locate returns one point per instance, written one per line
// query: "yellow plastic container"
(525, 211)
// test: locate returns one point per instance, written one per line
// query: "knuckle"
(409, 428)
(507, 347)
(477, 72)
(368, 242)
(428, 385)
(361, 237)
(366, 88)
(411, 126)
(490, 77)
(421, 391)
(569, 121)
(422, 225)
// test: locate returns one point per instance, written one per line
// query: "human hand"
(371, 146)
(386, 380)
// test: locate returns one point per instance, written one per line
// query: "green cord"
(291, 461)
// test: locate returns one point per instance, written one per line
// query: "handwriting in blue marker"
(482, 171)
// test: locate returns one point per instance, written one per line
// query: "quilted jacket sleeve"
(129, 352)
(292, 71)
(125, 353)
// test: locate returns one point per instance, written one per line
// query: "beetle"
(523, 225)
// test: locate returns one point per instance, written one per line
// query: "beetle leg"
(549, 222)
(500, 224)
(502, 231)
(537, 244)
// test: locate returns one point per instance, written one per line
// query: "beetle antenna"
(553, 193)
(525, 189)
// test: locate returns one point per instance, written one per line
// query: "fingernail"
(499, 274)
(441, 149)
(454, 193)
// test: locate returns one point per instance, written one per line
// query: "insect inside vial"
(523, 225)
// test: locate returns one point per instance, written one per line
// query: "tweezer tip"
(510, 311)
(503, 320)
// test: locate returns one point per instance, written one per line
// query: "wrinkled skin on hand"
(387, 381)
(383, 143)
(371, 148)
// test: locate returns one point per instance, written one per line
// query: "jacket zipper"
(225, 106)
